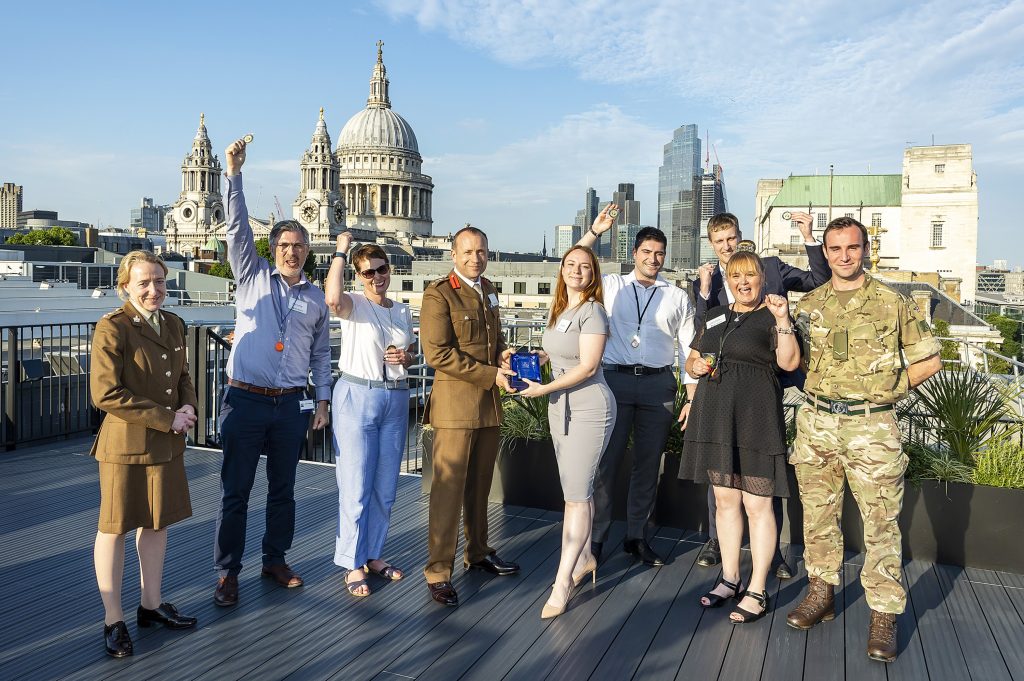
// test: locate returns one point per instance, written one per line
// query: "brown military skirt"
(151, 496)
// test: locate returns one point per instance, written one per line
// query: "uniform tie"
(479, 290)
(154, 321)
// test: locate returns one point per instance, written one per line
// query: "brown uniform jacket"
(461, 339)
(139, 379)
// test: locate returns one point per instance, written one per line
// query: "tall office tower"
(565, 237)
(10, 204)
(624, 241)
(147, 216)
(712, 202)
(678, 187)
(629, 214)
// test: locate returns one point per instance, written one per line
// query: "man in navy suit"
(710, 291)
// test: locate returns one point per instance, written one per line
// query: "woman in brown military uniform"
(139, 377)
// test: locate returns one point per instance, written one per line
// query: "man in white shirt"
(649, 316)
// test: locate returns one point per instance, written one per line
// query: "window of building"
(518, 304)
(876, 219)
(544, 289)
(519, 287)
(407, 284)
(940, 168)
(936, 234)
(542, 305)
(847, 215)
(405, 300)
(426, 283)
(822, 220)
(497, 286)
(793, 224)
(795, 240)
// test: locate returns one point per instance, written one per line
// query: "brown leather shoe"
(444, 593)
(227, 591)
(817, 606)
(283, 575)
(882, 636)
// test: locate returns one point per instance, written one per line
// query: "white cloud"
(793, 85)
(522, 189)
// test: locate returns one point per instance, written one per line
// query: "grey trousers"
(645, 409)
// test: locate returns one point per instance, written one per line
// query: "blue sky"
(517, 106)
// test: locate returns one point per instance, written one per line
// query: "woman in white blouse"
(369, 409)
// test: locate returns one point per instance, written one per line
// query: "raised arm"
(242, 255)
(787, 350)
(602, 223)
(338, 300)
(796, 279)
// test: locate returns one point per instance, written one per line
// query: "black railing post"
(197, 361)
(13, 379)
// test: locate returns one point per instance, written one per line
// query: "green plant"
(1001, 465)
(950, 349)
(674, 445)
(525, 418)
(928, 463)
(965, 409)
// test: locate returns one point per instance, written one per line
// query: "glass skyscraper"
(679, 179)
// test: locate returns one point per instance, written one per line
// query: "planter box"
(954, 523)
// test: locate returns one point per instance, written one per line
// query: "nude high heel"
(591, 568)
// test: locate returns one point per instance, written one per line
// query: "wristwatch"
(591, 230)
(339, 254)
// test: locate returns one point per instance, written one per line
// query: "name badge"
(492, 299)
(564, 325)
(299, 306)
(306, 405)
(716, 321)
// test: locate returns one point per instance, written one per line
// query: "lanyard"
(282, 320)
(725, 334)
(639, 314)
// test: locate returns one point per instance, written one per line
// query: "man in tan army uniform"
(865, 347)
(460, 332)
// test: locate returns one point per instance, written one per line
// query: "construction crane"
(280, 211)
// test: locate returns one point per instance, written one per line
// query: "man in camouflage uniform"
(865, 347)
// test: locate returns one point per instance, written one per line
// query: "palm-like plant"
(966, 411)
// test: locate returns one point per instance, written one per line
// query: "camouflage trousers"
(865, 450)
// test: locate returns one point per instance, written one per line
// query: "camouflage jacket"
(861, 351)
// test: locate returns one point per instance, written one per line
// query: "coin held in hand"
(248, 138)
(787, 215)
(613, 213)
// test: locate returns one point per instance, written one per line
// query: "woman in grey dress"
(581, 411)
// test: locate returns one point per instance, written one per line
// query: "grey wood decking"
(635, 623)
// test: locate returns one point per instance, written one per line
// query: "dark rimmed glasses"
(368, 274)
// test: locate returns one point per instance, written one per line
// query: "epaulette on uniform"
(114, 313)
(442, 280)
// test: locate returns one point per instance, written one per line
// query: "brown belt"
(260, 390)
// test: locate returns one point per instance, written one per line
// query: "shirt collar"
(631, 279)
(144, 313)
(302, 277)
(465, 278)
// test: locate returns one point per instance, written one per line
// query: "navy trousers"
(252, 425)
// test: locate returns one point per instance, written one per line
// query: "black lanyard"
(639, 314)
(725, 334)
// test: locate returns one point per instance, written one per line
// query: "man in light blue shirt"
(281, 335)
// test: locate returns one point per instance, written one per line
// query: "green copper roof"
(847, 190)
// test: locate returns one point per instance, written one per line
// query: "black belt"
(636, 369)
(260, 390)
(847, 407)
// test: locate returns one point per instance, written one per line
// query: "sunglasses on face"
(368, 274)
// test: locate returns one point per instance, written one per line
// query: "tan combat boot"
(817, 606)
(882, 636)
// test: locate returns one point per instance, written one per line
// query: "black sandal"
(714, 600)
(746, 615)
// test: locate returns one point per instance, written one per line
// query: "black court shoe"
(715, 601)
(746, 617)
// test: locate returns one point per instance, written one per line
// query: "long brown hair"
(593, 290)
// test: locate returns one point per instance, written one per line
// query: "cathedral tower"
(319, 207)
(199, 210)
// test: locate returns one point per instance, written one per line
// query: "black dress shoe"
(496, 566)
(117, 640)
(642, 550)
(710, 555)
(227, 591)
(783, 571)
(443, 593)
(166, 615)
(595, 549)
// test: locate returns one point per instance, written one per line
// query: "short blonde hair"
(124, 270)
(745, 262)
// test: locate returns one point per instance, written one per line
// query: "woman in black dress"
(736, 432)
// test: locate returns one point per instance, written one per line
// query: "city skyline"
(512, 131)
